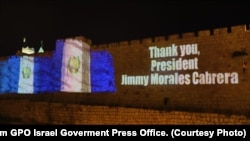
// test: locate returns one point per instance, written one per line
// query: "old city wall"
(219, 52)
(29, 112)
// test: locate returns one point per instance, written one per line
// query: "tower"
(41, 50)
(24, 44)
(26, 49)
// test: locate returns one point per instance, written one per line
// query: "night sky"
(110, 20)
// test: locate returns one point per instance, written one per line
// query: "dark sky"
(107, 21)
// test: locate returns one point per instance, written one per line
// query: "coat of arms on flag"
(74, 64)
(26, 72)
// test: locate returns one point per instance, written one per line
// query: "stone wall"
(221, 51)
(75, 114)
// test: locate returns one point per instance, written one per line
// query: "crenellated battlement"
(183, 36)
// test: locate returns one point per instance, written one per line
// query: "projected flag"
(75, 67)
(72, 68)
(84, 70)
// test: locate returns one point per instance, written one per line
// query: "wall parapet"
(180, 36)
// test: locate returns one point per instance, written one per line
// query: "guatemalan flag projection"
(84, 70)
(75, 67)
(72, 68)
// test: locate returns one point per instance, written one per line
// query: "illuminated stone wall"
(77, 114)
(213, 83)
